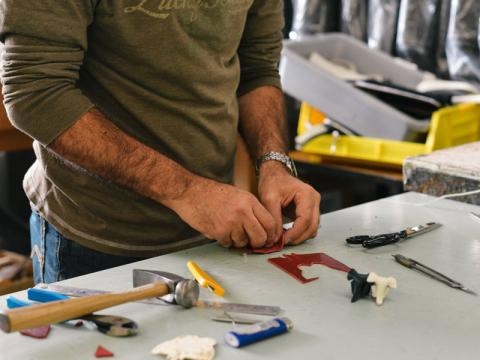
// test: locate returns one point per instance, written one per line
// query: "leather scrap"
(278, 246)
(290, 263)
(40, 332)
(102, 352)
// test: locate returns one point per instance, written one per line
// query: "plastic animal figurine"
(381, 286)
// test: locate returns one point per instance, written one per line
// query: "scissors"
(413, 264)
(372, 241)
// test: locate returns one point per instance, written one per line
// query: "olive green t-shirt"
(167, 72)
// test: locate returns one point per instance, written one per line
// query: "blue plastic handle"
(13, 302)
(42, 295)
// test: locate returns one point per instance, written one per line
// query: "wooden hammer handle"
(57, 311)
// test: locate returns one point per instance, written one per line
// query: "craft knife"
(413, 264)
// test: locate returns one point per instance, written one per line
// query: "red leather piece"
(102, 352)
(290, 263)
(40, 332)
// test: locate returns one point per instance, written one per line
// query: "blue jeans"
(56, 258)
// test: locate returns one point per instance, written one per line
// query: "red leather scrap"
(290, 263)
(40, 332)
(102, 352)
(278, 246)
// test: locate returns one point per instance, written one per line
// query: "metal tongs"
(413, 264)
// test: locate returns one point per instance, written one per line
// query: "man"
(134, 106)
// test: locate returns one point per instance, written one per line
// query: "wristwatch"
(277, 156)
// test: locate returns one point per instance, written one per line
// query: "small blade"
(421, 229)
(240, 308)
(468, 291)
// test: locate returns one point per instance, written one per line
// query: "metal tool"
(179, 291)
(240, 308)
(234, 319)
(413, 264)
(141, 277)
(111, 325)
(372, 241)
(206, 304)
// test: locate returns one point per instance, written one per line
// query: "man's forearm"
(263, 125)
(97, 145)
(262, 120)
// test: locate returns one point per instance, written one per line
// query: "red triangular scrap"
(102, 352)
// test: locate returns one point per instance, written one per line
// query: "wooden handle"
(57, 311)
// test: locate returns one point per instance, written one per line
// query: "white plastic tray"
(355, 109)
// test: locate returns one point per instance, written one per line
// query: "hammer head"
(182, 291)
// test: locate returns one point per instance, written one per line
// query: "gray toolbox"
(341, 101)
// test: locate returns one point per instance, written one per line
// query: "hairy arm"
(97, 145)
(262, 120)
(263, 125)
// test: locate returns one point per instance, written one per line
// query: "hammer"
(169, 287)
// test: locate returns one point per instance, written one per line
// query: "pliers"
(107, 324)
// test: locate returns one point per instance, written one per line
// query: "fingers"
(275, 210)
(225, 241)
(251, 224)
(257, 230)
(253, 234)
(240, 220)
(307, 219)
(267, 235)
(239, 239)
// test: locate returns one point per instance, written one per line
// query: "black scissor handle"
(358, 239)
(380, 240)
(368, 241)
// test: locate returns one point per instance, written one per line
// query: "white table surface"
(421, 319)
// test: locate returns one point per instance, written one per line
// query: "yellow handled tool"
(204, 279)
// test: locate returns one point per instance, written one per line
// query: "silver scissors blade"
(421, 229)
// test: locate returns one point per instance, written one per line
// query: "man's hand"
(279, 190)
(225, 213)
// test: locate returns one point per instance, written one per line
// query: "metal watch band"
(277, 156)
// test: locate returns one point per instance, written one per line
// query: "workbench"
(420, 319)
(444, 172)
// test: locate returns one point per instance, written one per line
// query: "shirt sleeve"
(261, 45)
(44, 43)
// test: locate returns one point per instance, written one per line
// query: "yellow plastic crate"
(450, 126)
